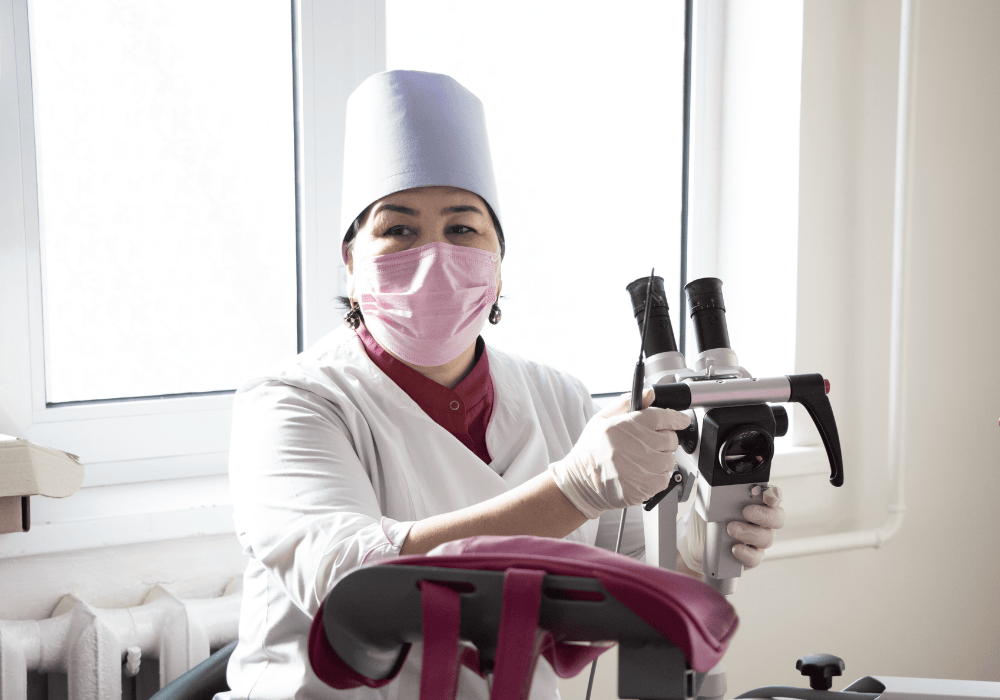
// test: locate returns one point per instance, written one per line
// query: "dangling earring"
(495, 314)
(352, 319)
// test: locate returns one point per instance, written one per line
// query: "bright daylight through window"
(584, 115)
(164, 146)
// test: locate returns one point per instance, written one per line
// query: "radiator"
(89, 644)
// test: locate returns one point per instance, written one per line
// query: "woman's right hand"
(622, 458)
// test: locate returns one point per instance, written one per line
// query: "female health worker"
(403, 430)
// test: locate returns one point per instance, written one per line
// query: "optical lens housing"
(660, 336)
(708, 311)
(746, 451)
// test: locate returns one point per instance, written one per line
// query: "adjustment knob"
(820, 668)
(688, 438)
(780, 421)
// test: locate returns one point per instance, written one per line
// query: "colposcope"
(730, 441)
(732, 450)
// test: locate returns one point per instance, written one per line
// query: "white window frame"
(184, 439)
(182, 442)
(340, 44)
(711, 156)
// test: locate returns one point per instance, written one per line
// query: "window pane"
(584, 111)
(164, 145)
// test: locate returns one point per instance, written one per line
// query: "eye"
(399, 231)
(460, 229)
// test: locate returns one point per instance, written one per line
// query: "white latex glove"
(753, 537)
(622, 458)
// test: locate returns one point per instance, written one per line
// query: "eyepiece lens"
(705, 293)
(746, 452)
(660, 336)
(708, 311)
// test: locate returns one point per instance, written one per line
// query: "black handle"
(675, 396)
(675, 479)
(810, 391)
(806, 389)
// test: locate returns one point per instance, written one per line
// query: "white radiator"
(88, 644)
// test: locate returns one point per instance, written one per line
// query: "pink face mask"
(426, 305)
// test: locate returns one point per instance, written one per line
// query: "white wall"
(925, 604)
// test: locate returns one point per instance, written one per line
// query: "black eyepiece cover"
(705, 293)
(660, 335)
(708, 311)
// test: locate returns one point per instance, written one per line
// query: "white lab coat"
(331, 463)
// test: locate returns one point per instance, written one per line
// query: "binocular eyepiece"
(708, 312)
(659, 337)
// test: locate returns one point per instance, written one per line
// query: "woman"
(402, 430)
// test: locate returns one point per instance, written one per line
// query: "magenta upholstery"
(688, 613)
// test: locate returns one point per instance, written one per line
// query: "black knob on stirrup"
(821, 668)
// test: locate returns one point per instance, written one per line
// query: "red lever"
(826, 385)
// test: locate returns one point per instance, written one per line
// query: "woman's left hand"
(753, 536)
(757, 534)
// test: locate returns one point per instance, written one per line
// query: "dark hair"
(355, 228)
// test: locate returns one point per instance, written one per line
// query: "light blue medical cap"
(410, 129)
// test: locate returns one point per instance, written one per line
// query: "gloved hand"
(753, 537)
(622, 458)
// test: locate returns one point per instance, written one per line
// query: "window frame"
(802, 456)
(125, 443)
(191, 420)
(129, 443)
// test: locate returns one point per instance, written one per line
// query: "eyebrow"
(461, 208)
(413, 212)
(398, 208)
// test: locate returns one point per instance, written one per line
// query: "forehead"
(427, 200)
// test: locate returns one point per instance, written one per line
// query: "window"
(584, 111)
(164, 137)
(145, 147)
(591, 120)
(744, 174)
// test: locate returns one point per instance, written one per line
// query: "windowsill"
(118, 514)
